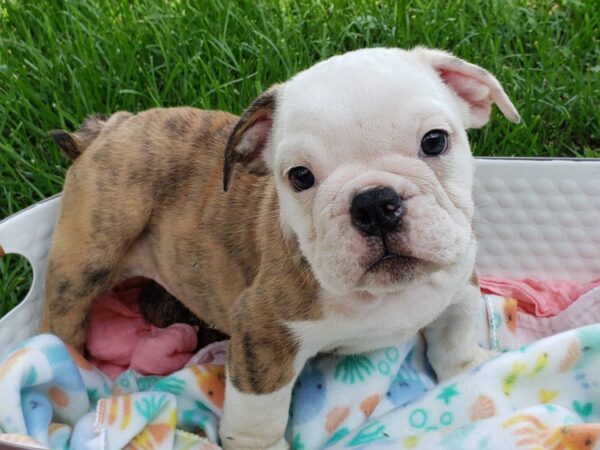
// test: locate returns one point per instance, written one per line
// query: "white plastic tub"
(537, 218)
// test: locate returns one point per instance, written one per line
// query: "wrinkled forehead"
(351, 100)
(358, 88)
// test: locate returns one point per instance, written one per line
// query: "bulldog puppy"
(335, 215)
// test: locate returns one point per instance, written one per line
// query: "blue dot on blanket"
(309, 394)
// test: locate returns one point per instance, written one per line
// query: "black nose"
(376, 211)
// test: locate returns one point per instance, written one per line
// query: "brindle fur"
(154, 181)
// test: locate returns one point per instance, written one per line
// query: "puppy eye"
(301, 178)
(434, 142)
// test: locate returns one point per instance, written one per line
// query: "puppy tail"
(74, 144)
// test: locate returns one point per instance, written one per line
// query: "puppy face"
(372, 164)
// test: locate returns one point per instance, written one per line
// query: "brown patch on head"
(250, 136)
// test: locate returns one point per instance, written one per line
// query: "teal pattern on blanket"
(354, 369)
(545, 395)
(148, 408)
(372, 432)
(590, 346)
(170, 384)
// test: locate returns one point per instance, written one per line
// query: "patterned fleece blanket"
(542, 395)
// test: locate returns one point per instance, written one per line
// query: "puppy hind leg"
(84, 261)
(71, 288)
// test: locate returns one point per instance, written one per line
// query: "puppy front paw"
(231, 443)
(254, 421)
(452, 364)
(482, 355)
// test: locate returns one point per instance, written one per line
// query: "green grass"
(62, 60)
(15, 281)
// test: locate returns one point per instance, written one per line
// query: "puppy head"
(371, 161)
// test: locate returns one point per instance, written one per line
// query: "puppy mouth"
(391, 262)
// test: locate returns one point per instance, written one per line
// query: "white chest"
(350, 325)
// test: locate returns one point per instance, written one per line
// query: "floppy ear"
(250, 137)
(472, 84)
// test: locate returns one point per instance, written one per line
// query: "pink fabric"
(119, 338)
(539, 298)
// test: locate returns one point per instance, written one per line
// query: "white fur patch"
(356, 121)
(362, 323)
(255, 422)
